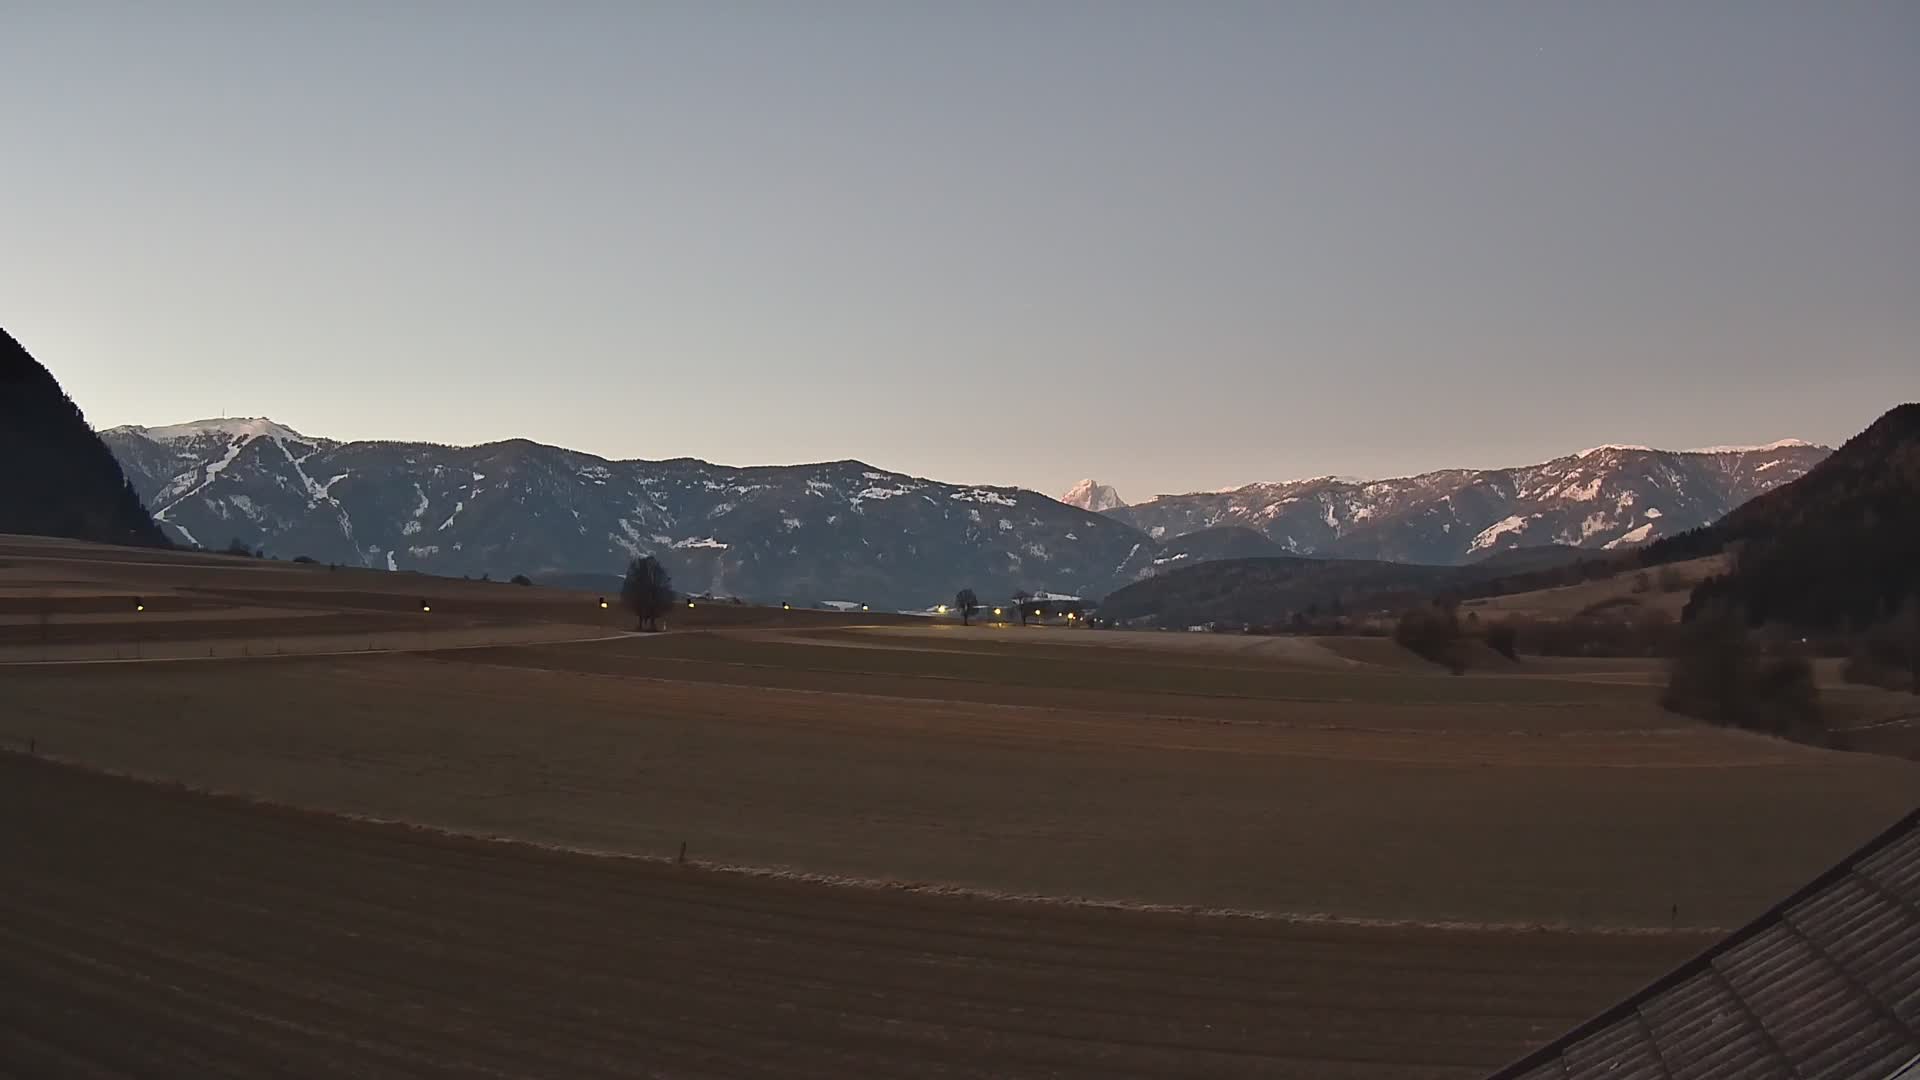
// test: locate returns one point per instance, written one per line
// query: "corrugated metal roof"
(1824, 986)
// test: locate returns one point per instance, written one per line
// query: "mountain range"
(1832, 550)
(847, 530)
(1605, 497)
(839, 530)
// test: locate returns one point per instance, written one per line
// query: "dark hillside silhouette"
(1834, 550)
(64, 481)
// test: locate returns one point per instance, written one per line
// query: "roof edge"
(1628, 1006)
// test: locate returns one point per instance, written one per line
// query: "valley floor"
(921, 851)
(149, 929)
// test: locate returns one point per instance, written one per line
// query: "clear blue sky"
(1171, 246)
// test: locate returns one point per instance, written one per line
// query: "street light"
(603, 603)
(139, 604)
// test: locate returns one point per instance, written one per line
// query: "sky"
(1171, 246)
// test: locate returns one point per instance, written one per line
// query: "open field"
(1117, 683)
(1128, 670)
(1314, 860)
(1166, 646)
(149, 928)
(1371, 808)
(1619, 594)
(64, 600)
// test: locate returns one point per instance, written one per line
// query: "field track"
(149, 930)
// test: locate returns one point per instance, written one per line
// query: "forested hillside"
(61, 479)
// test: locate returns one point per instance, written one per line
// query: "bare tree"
(969, 605)
(647, 592)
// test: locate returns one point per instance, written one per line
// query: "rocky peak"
(1093, 495)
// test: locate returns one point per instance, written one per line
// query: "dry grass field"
(148, 931)
(1302, 861)
(64, 600)
(1620, 594)
(1394, 808)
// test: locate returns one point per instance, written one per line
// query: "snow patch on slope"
(1583, 494)
(213, 471)
(1634, 537)
(1491, 535)
(984, 495)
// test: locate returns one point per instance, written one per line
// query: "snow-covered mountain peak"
(1780, 444)
(1592, 450)
(233, 427)
(1094, 496)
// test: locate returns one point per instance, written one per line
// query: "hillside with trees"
(62, 480)
(1837, 550)
(1266, 591)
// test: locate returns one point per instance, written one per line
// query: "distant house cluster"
(1048, 607)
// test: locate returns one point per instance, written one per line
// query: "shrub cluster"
(1719, 675)
(1886, 655)
(1434, 633)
